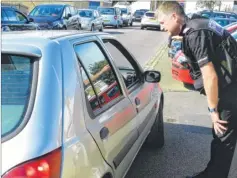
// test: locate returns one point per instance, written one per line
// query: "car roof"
(150, 12)
(44, 34)
(221, 12)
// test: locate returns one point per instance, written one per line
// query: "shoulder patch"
(215, 27)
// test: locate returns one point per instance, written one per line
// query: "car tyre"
(131, 23)
(156, 137)
(92, 28)
(142, 27)
(102, 28)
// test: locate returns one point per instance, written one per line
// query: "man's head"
(171, 15)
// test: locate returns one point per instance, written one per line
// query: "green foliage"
(208, 4)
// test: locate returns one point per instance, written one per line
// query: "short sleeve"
(201, 45)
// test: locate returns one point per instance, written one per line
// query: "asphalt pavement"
(141, 43)
(187, 127)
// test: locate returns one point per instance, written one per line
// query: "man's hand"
(105, 69)
(218, 125)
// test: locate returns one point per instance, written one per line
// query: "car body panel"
(60, 119)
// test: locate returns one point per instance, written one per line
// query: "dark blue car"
(56, 17)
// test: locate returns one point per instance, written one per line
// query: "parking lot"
(187, 124)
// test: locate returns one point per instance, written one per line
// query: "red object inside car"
(181, 71)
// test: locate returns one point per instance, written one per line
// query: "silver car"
(112, 16)
(70, 108)
(127, 17)
(90, 19)
(149, 20)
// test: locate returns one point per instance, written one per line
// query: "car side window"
(128, 70)
(67, 11)
(101, 86)
(11, 15)
(21, 17)
(72, 10)
(4, 16)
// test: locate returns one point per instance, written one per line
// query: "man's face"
(170, 23)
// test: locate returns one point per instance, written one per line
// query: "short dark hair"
(168, 7)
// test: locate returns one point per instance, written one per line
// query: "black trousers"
(223, 146)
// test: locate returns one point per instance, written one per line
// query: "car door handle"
(137, 102)
(104, 133)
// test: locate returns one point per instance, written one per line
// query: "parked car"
(150, 21)
(14, 20)
(234, 34)
(126, 17)
(49, 79)
(218, 14)
(112, 16)
(56, 17)
(91, 20)
(231, 27)
(224, 21)
(137, 16)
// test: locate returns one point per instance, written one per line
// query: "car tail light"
(47, 166)
(115, 17)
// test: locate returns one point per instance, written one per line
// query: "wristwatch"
(211, 110)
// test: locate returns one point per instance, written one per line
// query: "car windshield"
(124, 11)
(106, 11)
(16, 76)
(139, 13)
(85, 13)
(150, 14)
(52, 10)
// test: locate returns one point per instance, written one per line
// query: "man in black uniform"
(212, 52)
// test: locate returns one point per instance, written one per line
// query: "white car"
(150, 21)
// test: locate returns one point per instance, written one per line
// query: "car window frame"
(104, 108)
(133, 63)
(26, 115)
(22, 15)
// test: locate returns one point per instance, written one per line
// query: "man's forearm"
(211, 90)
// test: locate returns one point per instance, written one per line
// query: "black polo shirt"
(206, 41)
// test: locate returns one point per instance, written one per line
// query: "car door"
(67, 18)
(109, 114)
(74, 18)
(100, 19)
(140, 93)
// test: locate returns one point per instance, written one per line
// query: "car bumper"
(155, 25)
(110, 22)
(181, 74)
(85, 27)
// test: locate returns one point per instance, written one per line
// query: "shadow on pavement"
(186, 151)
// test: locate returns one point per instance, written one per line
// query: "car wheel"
(131, 23)
(92, 28)
(156, 137)
(117, 26)
(64, 28)
(142, 27)
(102, 28)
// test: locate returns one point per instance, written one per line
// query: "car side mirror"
(152, 76)
(69, 15)
(30, 20)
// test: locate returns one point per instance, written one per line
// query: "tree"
(115, 2)
(107, 77)
(209, 4)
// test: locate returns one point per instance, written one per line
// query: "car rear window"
(16, 76)
(150, 14)
(107, 11)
